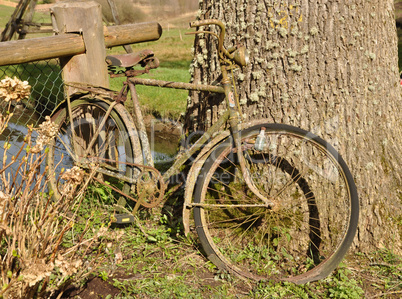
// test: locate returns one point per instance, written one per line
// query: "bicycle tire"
(307, 232)
(116, 145)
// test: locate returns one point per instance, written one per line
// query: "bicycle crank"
(148, 187)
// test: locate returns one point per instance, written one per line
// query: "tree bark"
(330, 67)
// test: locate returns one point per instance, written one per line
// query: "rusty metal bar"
(139, 122)
(183, 156)
(178, 85)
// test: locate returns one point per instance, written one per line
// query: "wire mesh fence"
(47, 90)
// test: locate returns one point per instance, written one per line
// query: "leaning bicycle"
(269, 201)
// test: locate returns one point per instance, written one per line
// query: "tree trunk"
(330, 67)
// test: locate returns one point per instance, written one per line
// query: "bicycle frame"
(228, 59)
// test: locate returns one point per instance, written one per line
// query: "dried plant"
(47, 131)
(14, 89)
(34, 261)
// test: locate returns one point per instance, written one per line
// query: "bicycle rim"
(307, 232)
(111, 151)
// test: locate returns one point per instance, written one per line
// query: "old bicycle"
(269, 201)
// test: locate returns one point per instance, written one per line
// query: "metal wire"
(47, 90)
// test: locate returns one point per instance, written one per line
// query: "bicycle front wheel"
(91, 139)
(307, 230)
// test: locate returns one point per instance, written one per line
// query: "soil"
(95, 288)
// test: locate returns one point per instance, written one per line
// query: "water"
(15, 134)
(163, 141)
(164, 146)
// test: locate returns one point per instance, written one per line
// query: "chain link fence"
(47, 90)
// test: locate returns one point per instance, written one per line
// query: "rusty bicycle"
(269, 201)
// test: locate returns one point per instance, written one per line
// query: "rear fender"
(77, 96)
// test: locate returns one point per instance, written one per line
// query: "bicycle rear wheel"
(307, 232)
(116, 145)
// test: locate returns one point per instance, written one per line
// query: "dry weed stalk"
(32, 225)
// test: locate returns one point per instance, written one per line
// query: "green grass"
(7, 11)
(42, 17)
(5, 14)
(161, 102)
(159, 262)
(174, 52)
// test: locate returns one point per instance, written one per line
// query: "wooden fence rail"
(70, 44)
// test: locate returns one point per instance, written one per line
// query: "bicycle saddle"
(131, 59)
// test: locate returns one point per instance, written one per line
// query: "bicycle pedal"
(123, 218)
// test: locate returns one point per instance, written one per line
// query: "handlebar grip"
(195, 24)
(207, 22)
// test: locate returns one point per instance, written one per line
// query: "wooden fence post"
(84, 18)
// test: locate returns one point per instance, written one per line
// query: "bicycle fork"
(231, 99)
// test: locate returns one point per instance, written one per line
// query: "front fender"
(193, 175)
(197, 166)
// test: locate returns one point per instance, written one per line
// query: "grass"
(5, 14)
(7, 11)
(159, 262)
(174, 52)
(161, 102)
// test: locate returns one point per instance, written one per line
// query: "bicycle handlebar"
(221, 35)
(239, 55)
(210, 22)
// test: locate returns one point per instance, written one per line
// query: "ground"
(95, 288)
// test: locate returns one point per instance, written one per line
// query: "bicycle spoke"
(93, 135)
